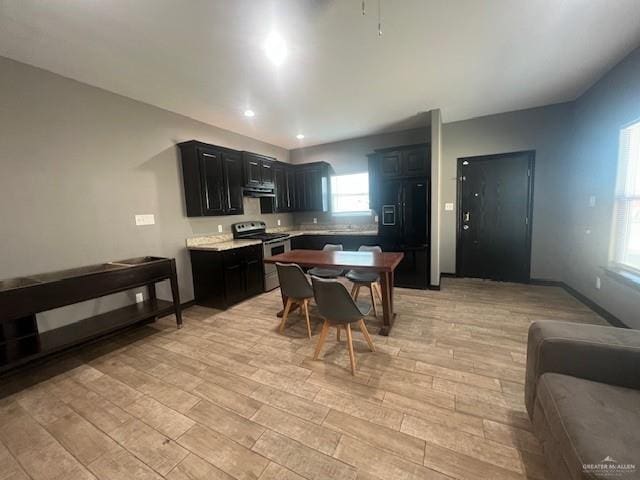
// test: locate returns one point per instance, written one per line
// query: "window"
(626, 234)
(350, 194)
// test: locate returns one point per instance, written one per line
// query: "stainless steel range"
(272, 244)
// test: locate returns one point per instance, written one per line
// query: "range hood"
(259, 192)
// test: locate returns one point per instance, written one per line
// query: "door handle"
(465, 227)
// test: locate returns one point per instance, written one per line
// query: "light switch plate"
(278, 222)
(219, 228)
(375, 219)
(598, 284)
(139, 297)
(592, 201)
(448, 207)
(148, 219)
(315, 220)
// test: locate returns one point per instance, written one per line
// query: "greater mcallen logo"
(609, 467)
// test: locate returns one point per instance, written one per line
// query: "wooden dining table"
(384, 263)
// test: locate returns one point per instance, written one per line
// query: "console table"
(21, 298)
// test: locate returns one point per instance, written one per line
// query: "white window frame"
(354, 194)
(620, 228)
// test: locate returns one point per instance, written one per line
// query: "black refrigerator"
(403, 226)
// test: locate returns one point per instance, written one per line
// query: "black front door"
(495, 194)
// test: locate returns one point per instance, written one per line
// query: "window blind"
(626, 238)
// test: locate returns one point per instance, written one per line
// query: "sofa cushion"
(593, 352)
(589, 421)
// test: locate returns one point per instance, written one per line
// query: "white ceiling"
(204, 59)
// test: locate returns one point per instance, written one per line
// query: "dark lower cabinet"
(414, 270)
(221, 279)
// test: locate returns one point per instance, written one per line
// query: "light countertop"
(218, 243)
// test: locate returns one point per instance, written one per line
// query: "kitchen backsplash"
(306, 218)
(209, 225)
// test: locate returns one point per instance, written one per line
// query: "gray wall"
(611, 103)
(545, 130)
(78, 163)
(350, 156)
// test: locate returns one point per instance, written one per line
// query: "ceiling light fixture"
(275, 48)
(300, 136)
(249, 113)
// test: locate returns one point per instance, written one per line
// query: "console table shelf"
(22, 298)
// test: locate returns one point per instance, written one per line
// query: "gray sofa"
(582, 393)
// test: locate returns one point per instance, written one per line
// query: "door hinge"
(528, 172)
(526, 220)
(462, 178)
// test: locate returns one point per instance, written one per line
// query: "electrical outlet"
(219, 228)
(592, 201)
(597, 283)
(139, 297)
(278, 222)
(448, 207)
(315, 220)
(375, 219)
(148, 219)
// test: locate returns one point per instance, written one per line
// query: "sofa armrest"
(593, 352)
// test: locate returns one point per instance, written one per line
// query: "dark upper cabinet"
(299, 188)
(300, 204)
(312, 187)
(284, 190)
(258, 170)
(415, 162)
(213, 179)
(266, 167)
(402, 162)
(232, 174)
(315, 185)
(290, 181)
(252, 171)
(391, 164)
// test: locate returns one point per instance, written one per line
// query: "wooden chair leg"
(353, 289)
(376, 285)
(355, 295)
(287, 307)
(321, 339)
(337, 333)
(352, 355)
(305, 304)
(373, 301)
(365, 334)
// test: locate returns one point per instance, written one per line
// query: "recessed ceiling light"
(299, 136)
(249, 113)
(275, 48)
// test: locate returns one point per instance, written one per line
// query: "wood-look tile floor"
(229, 397)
